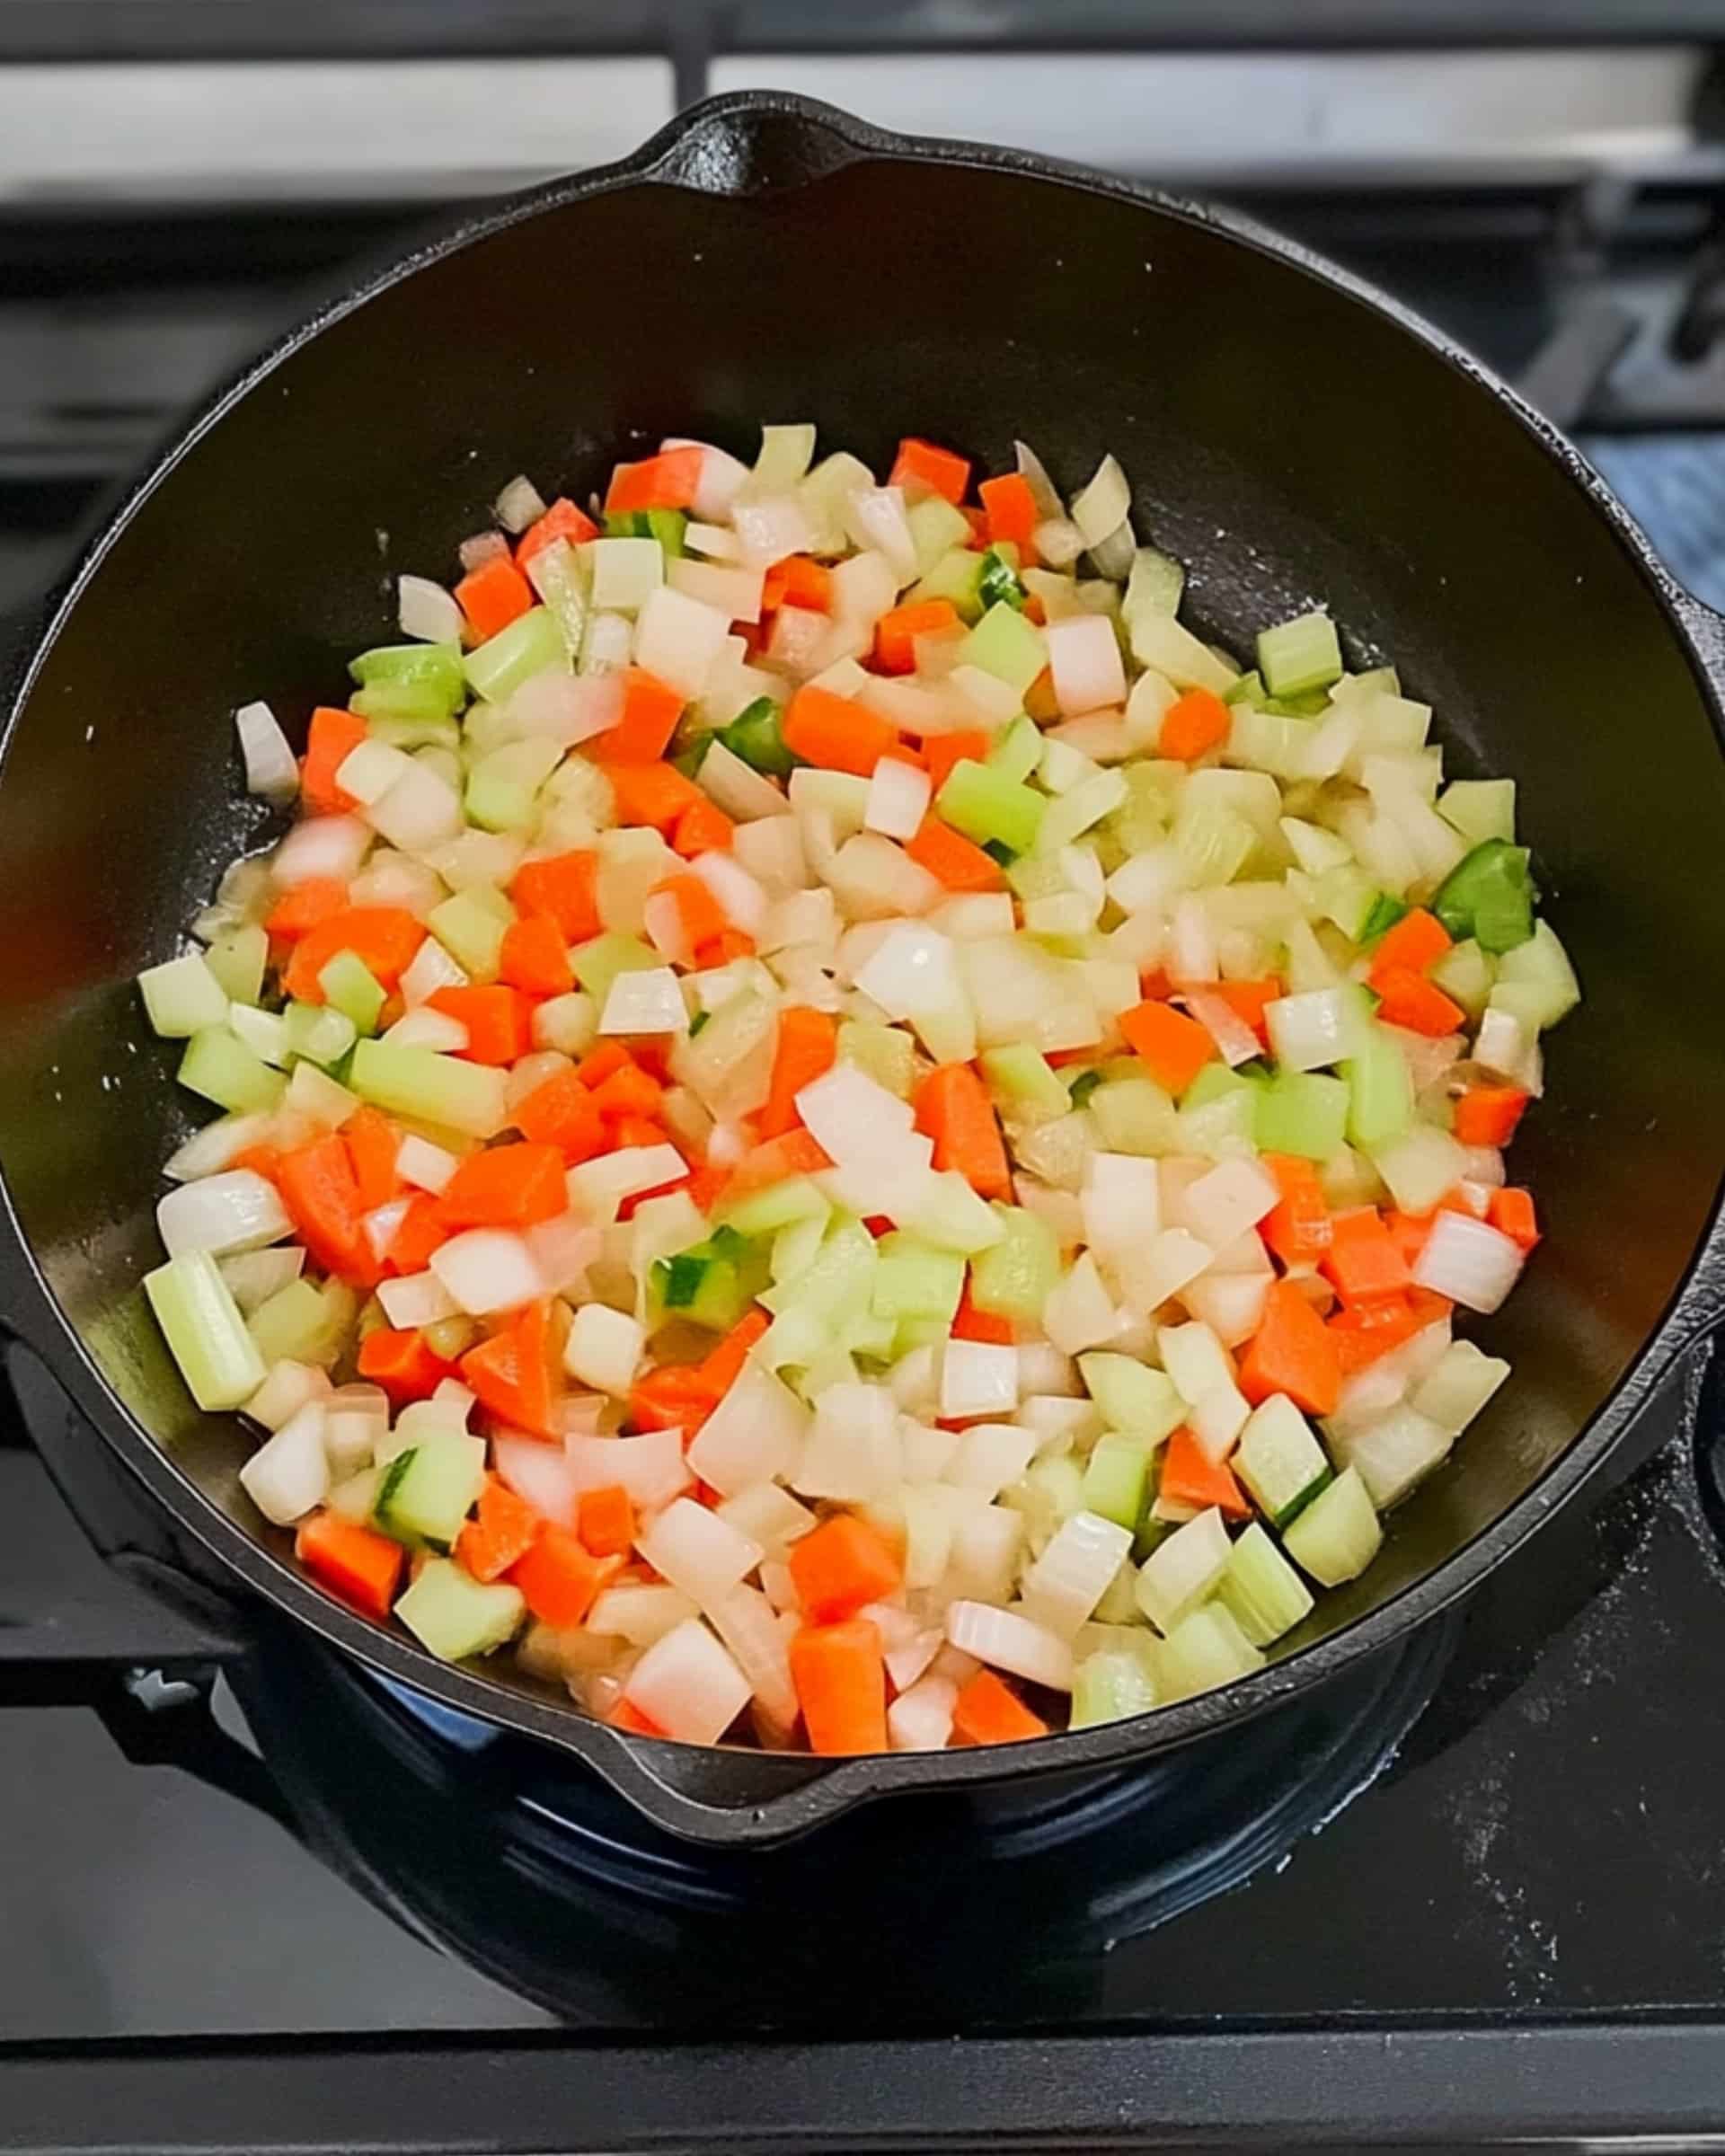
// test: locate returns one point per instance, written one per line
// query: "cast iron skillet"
(1292, 435)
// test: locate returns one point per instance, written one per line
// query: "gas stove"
(255, 1899)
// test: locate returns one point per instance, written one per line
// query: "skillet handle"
(725, 1800)
(755, 141)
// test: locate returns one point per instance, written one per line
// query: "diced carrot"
(724, 1365)
(402, 1364)
(1010, 508)
(1192, 725)
(384, 937)
(1036, 611)
(841, 1684)
(941, 751)
(1291, 1353)
(630, 1091)
(699, 914)
(1418, 939)
(805, 582)
(720, 950)
(559, 1577)
(1298, 1226)
(334, 735)
(534, 957)
(655, 794)
(1407, 998)
(951, 858)
(1371, 1329)
(978, 523)
(1408, 1232)
(1248, 1000)
(675, 1397)
(423, 1229)
(896, 631)
(261, 1160)
(515, 1373)
(988, 1711)
(795, 1153)
(1473, 1199)
(560, 1112)
(1363, 1259)
(1512, 1213)
(321, 1193)
(606, 1521)
(493, 596)
(970, 1323)
(669, 481)
(372, 1141)
(702, 828)
(361, 1566)
(626, 1715)
(922, 468)
(704, 1184)
(597, 1064)
(496, 1017)
(502, 1530)
(564, 887)
(1487, 1115)
(1189, 1476)
(511, 1186)
(807, 1046)
(835, 732)
(562, 520)
(650, 710)
(953, 1108)
(299, 910)
(1173, 1047)
(843, 1564)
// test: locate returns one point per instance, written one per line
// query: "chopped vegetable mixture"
(836, 1127)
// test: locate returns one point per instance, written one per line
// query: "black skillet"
(1292, 436)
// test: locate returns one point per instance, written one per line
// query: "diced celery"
(936, 526)
(1115, 1479)
(757, 734)
(1380, 1091)
(471, 926)
(1135, 1115)
(449, 1612)
(1458, 1386)
(568, 1023)
(353, 989)
(1420, 1166)
(1005, 644)
(531, 643)
(1014, 1277)
(886, 1053)
(1480, 809)
(1017, 750)
(1183, 1570)
(182, 996)
(1021, 1078)
(1338, 1534)
(1249, 688)
(666, 527)
(1079, 807)
(219, 1065)
(713, 1283)
(294, 1323)
(1467, 973)
(1540, 972)
(556, 574)
(999, 582)
(1280, 1461)
(1302, 1112)
(441, 1089)
(1111, 1687)
(1488, 894)
(1348, 896)
(406, 714)
(765, 1212)
(433, 669)
(1214, 1083)
(238, 960)
(204, 1332)
(502, 790)
(1154, 583)
(987, 806)
(1265, 1595)
(318, 1033)
(1134, 1400)
(912, 1279)
(1206, 1650)
(598, 963)
(428, 1489)
(1299, 655)
(957, 577)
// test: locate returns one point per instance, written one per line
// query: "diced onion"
(288, 1475)
(487, 1270)
(427, 612)
(755, 1432)
(1075, 1570)
(1471, 1262)
(1006, 1641)
(899, 796)
(650, 1467)
(538, 1473)
(688, 1685)
(221, 1213)
(270, 770)
(1103, 505)
(650, 1001)
(324, 845)
(698, 1551)
(520, 504)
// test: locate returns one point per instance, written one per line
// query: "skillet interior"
(1284, 439)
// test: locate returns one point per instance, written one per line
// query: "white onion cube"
(604, 1348)
(688, 1685)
